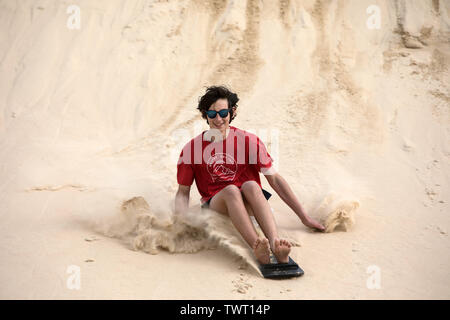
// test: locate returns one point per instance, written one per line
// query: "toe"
(255, 245)
(277, 243)
(266, 245)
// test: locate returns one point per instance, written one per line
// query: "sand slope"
(92, 117)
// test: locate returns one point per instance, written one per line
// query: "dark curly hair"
(215, 93)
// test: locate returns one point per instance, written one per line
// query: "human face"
(218, 122)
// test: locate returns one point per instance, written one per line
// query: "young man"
(225, 163)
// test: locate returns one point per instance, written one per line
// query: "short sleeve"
(185, 171)
(264, 160)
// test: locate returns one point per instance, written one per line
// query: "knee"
(231, 191)
(251, 189)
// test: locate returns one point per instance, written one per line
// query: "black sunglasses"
(212, 113)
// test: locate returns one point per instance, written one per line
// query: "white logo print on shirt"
(220, 169)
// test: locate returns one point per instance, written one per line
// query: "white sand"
(90, 118)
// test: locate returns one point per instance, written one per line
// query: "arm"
(282, 188)
(182, 199)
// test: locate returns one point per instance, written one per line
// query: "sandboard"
(275, 270)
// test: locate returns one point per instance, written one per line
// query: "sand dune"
(97, 99)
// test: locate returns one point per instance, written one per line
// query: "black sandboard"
(275, 270)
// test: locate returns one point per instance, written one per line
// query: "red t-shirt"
(214, 165)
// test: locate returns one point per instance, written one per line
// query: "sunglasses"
(222, 113)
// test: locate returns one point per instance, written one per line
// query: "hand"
(310, 222)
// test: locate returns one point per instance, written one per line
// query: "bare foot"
(281, 250)
(262, 250)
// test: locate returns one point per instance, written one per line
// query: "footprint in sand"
(242, 285)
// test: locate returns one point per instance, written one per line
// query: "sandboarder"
(225, 163)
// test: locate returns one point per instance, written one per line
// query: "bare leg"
(263, 214)
(229, 201)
